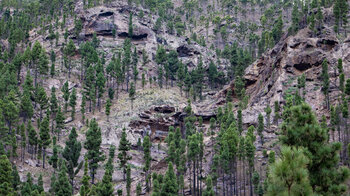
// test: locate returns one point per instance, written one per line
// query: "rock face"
(187, 51)
(102, 21)
(275, 74)
(155, 122)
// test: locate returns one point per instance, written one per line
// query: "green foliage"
(85, 187)
(169, 186)
(325, 79)
(59, 122)
(93, 147)
(128, 180)
(124, 147)
(105, 187)
(71, 154)
(132, 93)
(261, 128)
(44, 136)
(54, 158)
(147, 155)
(325, 177)
(65, 91)
(73, 102)
(6, 178)
(62, 186)
(289, 174)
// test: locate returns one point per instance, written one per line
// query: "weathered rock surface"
(273, 75)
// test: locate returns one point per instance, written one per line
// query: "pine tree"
(26, 108)
(32, 137)
(209, 190)
(239, 121)
(109, 165)
(295, 19)
(14, 144)
(71, 154)
(325, 177)
(23, 140)
(59, 122)
(70, 52)
(73, 102)
(347, 87)
(147, 157)
(124, 147)
(250, 154)
(105, 188)
(54, 158)
(345, 115)
(239, 86)
(45, 136)
(65, 91)
(92, 145)
(6, 178)
(126, 61)
(301, 84)
(277, 112)
(62, 185)
(128, 180)
(84, 189)
(53, 106)
(111, 93)
(10, 112)
(16, 182)
(101, 82)
(325, 79)
(169, 186)
(134, 62)
(82, 107)
(52, 70)
(95, 42)
(289, 174)
(268, 111)
(89, 86)
(41, 99)
(40, 185)
(108, 108)
(261, 128)
(132, 93)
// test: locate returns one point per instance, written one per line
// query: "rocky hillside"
(184, 92)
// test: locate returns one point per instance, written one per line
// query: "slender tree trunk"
(44, 149)
(223, 183)
(198, 177)
(200, 184)
(231, 181)
(35, 78)
(244, 181)
(69, 67)
(250, 181)
(194, 177)
(93, 176)
(339, 138)
(345, 140)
